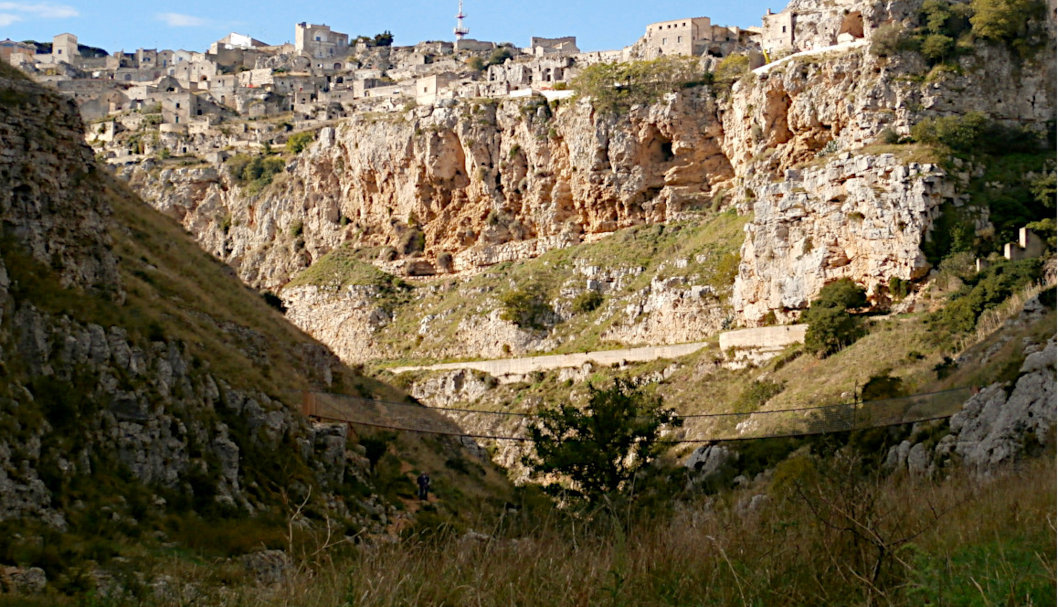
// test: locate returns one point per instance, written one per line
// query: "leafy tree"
(937, 47)
(383, 39)
(830, 326)
(1001, 20)
(601, 447)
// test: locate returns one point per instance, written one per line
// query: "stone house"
(539, 47)
(320, 42)
(681, 37)
(811, 28)
(428, 88)
(9, 48)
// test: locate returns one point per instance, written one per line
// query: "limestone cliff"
(468, 184)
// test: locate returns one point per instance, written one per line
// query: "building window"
(679, 39)
(784, 29)
(664, 40)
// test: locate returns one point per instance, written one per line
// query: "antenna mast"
(461, 29)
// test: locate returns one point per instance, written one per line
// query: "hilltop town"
(241, 92)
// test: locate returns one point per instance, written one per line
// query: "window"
(177, 106)
(664, 40)
(784, 29)
(679, 39)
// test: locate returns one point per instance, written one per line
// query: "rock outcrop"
(1000, 424)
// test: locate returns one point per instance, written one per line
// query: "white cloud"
(6, 19)
(43, 11)
(178, 20)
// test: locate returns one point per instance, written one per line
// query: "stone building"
(682, 37)
(320, 42)
(64, 49)
(814, 26)
(20, 50)
(539, 47)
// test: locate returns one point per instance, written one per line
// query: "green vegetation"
(616, 87)
(300, 141)
(588, 301)
(603, 445)
(255, 172)
(526, 308)
(948, 29)
(830, 326)
(730, 69)
(983, 292)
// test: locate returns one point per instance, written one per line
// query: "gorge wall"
(798, 147)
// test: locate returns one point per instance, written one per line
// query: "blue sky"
(194, 24)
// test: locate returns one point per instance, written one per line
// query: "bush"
(412, 241)
(445, 261)
(730, 69)
(755, 395)
(888, 40)
(300, 141)
(843, 294)
(898, 287)
(937, 47)
(274, 301)
(525, 308)
(1002, 20)
(830, 326)
(586, 302)
(254, 171)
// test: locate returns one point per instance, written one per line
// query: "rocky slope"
(137, 375)
(471, 183)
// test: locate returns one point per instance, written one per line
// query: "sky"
(194, 24)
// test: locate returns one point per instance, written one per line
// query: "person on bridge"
(424, 486)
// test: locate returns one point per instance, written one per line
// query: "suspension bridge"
(696, 428)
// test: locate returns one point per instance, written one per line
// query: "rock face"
(119, 404)
(862, 217)
(487, 181)
(796, 144)
(997, 424)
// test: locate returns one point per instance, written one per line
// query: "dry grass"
(798, 547)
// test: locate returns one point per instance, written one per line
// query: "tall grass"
(813, 539)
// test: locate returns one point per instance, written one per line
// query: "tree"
(601, 447)
(1001, 20)
(384, 39)
(830, 326)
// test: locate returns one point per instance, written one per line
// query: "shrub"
(300, 141)
(937, 47)
(274, 301)
(730, 69)
(898, 287)
(445, 261)
(586, 302)
(412, 241)
(888, 40)
(525, 308)
(254, 171)
(881, 387)
(297, 228)
(843, 294)
(755, 395)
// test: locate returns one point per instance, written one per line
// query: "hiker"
(424, 486)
